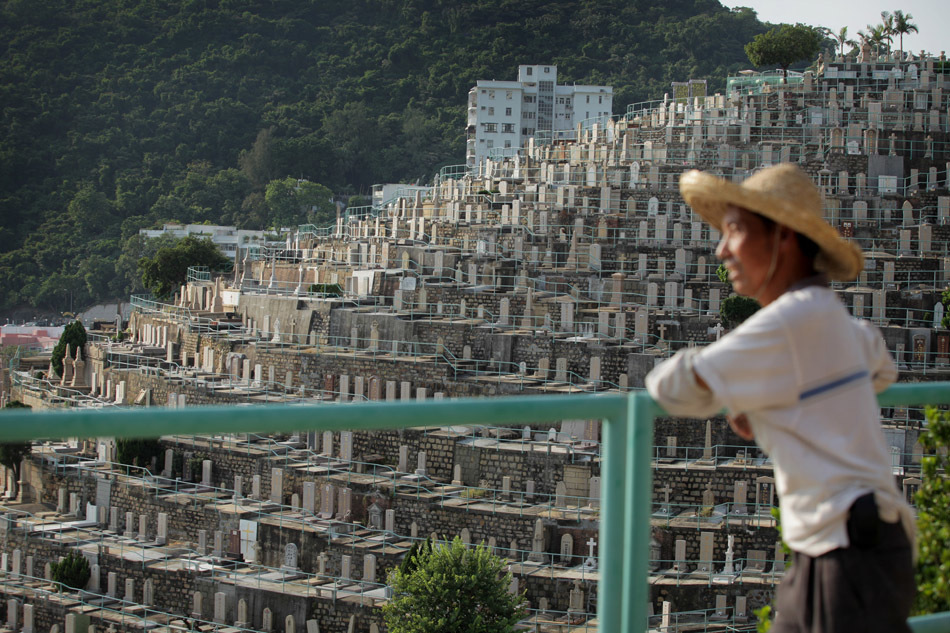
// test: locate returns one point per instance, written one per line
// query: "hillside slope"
(121, 114)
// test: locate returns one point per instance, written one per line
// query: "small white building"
(228, 239)
(505, 114)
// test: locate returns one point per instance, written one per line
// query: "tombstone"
(369, 568)
(779, 566)
(27, 618)
(706, 545)
(129, 590)
(277, 486)
(290, 625)
(267, 622)
(740, 497)
(576, 599)
(755, 561)
(161, 532)
(241, 621)
(290, 557)
(567, 549)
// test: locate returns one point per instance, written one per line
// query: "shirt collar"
(815, 280)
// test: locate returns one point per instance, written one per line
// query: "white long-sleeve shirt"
(805, 373)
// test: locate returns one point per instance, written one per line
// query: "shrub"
(73, 335)
(72, 571)
(451, 588)
(735, 309)
(138, 451)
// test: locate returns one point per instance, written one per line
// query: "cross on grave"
(591, 562)
(662, 329)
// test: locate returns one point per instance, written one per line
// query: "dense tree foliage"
(13, 453)
(783, 46)
(123, 114)
(167, 270)
(451, 588)
(74, 337)
(933, 517)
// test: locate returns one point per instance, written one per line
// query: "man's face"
(745, 250)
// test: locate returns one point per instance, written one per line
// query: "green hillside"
(122, 114)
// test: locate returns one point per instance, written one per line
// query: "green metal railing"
(626, 469)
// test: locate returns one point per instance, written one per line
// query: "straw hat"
(784, 194)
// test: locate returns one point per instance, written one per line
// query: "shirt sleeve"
(754, 367)
(673, 385)
(880, 362)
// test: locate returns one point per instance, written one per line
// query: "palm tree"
(841, 37)
(887, 29)
(903, 24)
(873, 36)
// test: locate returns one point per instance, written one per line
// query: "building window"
(491, 94)
(491, 128)
(508, 128)
(600, 99)
(588, 98)
(547, 69)
(490, 144)
(529, 98)
(507, 144)
(528, 131)
(491, 111)
(507, 94)
(529, 71)
(507, 111)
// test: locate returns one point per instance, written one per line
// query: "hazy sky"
(932, 17)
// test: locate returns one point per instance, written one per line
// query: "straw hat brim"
(711, 196)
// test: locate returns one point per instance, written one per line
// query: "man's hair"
(805, 244)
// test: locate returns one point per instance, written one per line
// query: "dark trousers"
(867, 589)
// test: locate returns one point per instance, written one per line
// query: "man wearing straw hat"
(800, 376)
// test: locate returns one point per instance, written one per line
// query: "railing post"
(638, 489)
(609, 600)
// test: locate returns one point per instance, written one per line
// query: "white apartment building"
(505, 114)
(228, 239)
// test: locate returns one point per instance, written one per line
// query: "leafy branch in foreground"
(933, 517)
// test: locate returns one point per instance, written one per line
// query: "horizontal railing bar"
(18, 425)
(932, 623)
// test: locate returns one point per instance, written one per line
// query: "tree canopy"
(783, 46)
(167, 270)
(451, 588)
